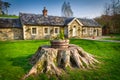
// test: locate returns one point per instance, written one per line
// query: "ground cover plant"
(15, 55)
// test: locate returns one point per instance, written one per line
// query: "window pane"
(33, 30)
(46, 30)
(56, 30)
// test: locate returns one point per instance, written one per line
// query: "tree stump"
(55, 60)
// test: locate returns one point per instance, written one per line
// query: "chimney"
(44, 12)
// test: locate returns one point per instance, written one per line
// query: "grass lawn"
(8, 16)
(15, 55)
(113, 37)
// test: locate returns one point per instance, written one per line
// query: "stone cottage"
(10, 29)
(43, 26)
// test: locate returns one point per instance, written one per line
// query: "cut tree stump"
(54, 61)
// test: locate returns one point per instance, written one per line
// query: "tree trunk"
(54, 61)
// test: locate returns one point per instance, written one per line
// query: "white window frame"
(91, 31)
(32, 31)
(48, 31)
(85, 31)
(58, 30)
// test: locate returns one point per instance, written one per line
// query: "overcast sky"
(80, 8)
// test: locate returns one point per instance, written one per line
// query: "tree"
(1, 7)
(115, 5)
(111, 17)
(66, 10)
(55, 61)
(7, 5)
(113, 8)
(4, 7)
(107, 9)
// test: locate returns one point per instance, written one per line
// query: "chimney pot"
(44, 12)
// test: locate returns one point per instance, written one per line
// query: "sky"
(80, 8)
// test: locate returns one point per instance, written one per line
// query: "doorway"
(74, 31)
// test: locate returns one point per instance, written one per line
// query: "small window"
(91, 31)
(56, 30)
(94, 30)
(34, 31)
(84, 31)
(46, 30)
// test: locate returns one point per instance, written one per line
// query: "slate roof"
(89, 22)
(38, 19)
(9, 22)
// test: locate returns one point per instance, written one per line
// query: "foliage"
(15, 55)
(4, 7)
(60, 36)
(111, 18)
(112, 8)
(112, 22)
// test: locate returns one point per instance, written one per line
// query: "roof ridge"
(47, 15)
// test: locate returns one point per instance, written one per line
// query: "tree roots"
(54, 61)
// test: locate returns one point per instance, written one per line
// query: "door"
(66, 32)
(74, 31)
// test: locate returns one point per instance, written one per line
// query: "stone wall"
(91, 31)
(40, 32)
(27, 32)
(78, 30)
(11, 34)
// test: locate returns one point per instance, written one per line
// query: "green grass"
(9, 16)
(15, 55)
(113, 37)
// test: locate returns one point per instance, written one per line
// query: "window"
(34, 31)
(91, 30)
(56, 30)
(46, 30)
(84, 30)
